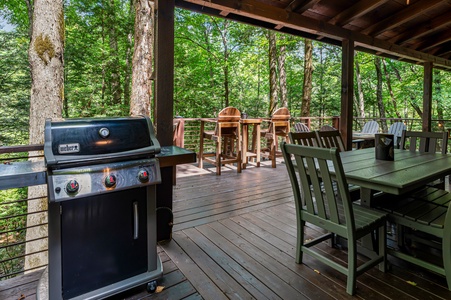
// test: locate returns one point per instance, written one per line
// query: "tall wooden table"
(246, 154)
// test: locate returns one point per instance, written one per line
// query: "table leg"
(256, 141)
(366, 197)
(245, 146)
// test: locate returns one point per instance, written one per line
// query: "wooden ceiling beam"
(434, 41)
(300, 6)
(267, 13)
(355, 11)
(423, 29)
(408, 13)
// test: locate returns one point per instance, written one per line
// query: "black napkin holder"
(384, 145)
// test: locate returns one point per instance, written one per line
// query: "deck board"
(234, 237)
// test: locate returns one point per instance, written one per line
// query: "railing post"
(336, 122)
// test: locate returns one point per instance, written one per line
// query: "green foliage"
(12, 225)
(89, 56)
(15, 86)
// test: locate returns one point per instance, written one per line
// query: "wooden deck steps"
(234, 237)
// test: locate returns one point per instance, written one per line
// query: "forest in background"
(217, 63)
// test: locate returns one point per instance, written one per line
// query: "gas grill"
(102, 175)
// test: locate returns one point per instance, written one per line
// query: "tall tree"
(438, 98)
(47, 91)
(224, 32)
(360, 105)
(380, 102)
(273, 87)
(390, 90)
(142, 58)
(308, 73)
(283, 73)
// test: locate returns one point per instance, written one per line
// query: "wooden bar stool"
(255, 151)
(227, 139)
(279, 126)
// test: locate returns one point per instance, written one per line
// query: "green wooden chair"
(317, 203)
(426, 142)
(426, 210)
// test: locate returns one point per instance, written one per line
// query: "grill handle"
(135, 220)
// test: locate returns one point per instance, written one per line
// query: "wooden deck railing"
(14, 214)
(14, 201)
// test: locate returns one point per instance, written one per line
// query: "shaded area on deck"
(234, 236)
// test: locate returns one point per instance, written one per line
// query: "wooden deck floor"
(234, 237)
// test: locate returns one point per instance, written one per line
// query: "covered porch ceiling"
(415, 31)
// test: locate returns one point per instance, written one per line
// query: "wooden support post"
(347, 91)
(336, 122)
(164, 105)
(427, 97)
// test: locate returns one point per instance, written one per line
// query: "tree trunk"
(308, 74)
(47, 92)
(361, 100)
(438, 98)
(380, 103)
(416, 107)
(142, 59)
(225, 68)
(283, 76)
(390, 90)
(273, 90)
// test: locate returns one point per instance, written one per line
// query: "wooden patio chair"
(396, 129)
(428, 212)
(279, 126)
(370, 127)
(301, 127)
(319, 204)
(227, 139)
(426, 142)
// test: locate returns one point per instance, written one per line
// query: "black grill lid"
(86, 140)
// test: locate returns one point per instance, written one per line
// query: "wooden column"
(427, 97)
(164, 70)
(347, 91)
(164, 107)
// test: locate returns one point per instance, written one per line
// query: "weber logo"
(69, 148)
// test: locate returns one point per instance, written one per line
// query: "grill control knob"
(143, 176)
(110, 181)
(72, 187)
